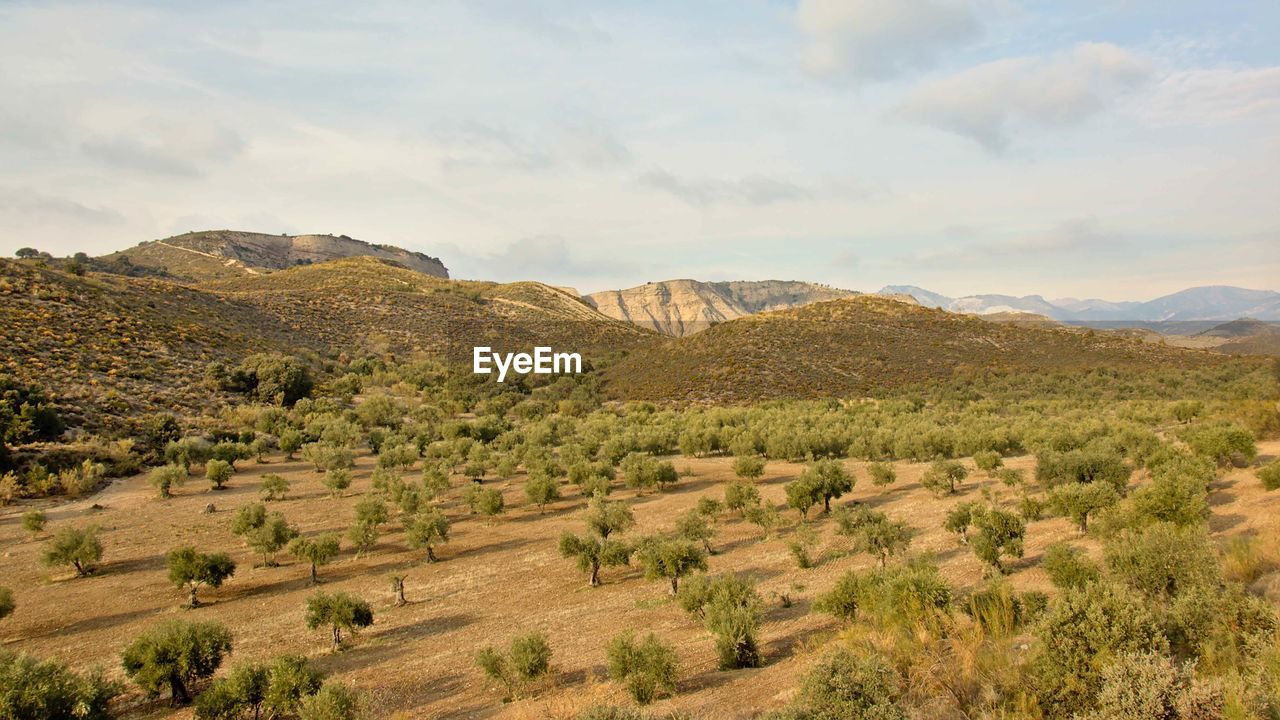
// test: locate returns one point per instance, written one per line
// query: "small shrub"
(648, 667)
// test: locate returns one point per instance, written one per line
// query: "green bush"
(942, 477)
(528, 658)
(218, 472)
(174, 656)
(34, 690)
(850, 684)
(648, 667)
(1080, 629)
(1270, 475)
(1068, 567)
(338, 612)
(77, 547)
(1162, 559)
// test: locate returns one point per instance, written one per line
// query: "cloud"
(177, 150)
(1214, 95)
(706, 192)
(38, 208)
(983, 103)
(1077, 236)
(584, 144)
(546, 258)
(868, 40)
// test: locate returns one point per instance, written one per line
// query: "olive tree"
(527, 658)
(748, 467)
(942, 477)
(882, 474)
(266, 533)
(370, 513)
(34, 690)
(694, 527)
(998, 532)
(541, 489)
(167, 477)
(803, 493)
(316, 551)
(33, 521)
(740, 495)
(191, 569)
(175, 655)
(78, 547)
(218, 472)
(425, 529)
(832, 480)
(647, 666)
(275, 689)
(274, 487)
(339, 612)
(1080, 500)
(595, 548)
(670, 558)
(6, 602)
(729, 608)
(485, 501)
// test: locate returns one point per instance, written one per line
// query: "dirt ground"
(496, 578)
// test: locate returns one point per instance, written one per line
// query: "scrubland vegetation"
(995, 545)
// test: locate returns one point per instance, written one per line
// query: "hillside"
(857, 345)
(359, 302)
(685, 307)
(111, 347)
(216, 254)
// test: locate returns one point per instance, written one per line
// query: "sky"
(1121, 149)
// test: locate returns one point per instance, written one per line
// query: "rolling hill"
(685, 307)
(112, 347)
(215, 254)
(853, 346)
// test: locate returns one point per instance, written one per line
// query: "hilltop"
(855, 346)
(215, 254)
(685, 307)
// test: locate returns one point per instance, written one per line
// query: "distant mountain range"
(1210, 303)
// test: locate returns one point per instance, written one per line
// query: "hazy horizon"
(1120, 151)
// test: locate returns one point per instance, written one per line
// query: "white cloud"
(1214, 95)
(705, 192)
(985, 103)
(23, 207)
(868, 40)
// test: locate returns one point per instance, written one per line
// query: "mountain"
(1211, 303)
(1246, 337)
(855, 346)
(685, 307)
(1215, 302)
(215, 254)
(922, 296)
(113, 348)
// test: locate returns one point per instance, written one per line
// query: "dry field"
(495, 579)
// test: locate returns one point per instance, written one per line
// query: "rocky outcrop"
(685, 307)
